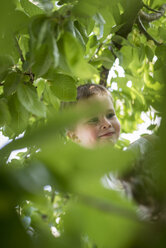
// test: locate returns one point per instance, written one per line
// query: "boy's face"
(104, 128)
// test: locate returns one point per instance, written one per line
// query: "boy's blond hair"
(87, 90)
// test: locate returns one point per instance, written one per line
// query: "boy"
(102, 128)
(139, 181)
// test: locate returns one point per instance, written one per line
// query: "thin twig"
(103, 76)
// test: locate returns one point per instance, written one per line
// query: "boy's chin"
(92, 143)
(108, 140)
(98, 143)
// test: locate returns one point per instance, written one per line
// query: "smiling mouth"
(107, 134)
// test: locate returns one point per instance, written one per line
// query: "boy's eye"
(93, 120)
(110, 115)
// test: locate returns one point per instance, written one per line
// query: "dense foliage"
(48, 48)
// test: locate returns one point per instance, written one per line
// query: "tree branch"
(128, 18)
(143, 30)
(103, 76)
(104, 71)
(141, 15)
(152, 16)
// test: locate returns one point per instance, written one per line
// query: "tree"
(48, 48)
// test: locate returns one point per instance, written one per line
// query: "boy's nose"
(105, 124)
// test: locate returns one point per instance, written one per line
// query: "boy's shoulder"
(143, 145)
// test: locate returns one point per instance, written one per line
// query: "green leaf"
(51, 97)
(11, 82)
(63, 65)
(19, 114)
(93, 218)
(107, 59)
(89, 167)
(15, 18)
(6, 62)
(42, 60)
(161, 53)
(86, 8)
(30, 8)
(92, 41)
(28, 97)
(116, 12)
(8, 47)
(24, 44)
(4, 113)
(20, 21)
(40, 85)
(108, 15)
(64, 87)
(157, 3)
(75, 59)
(100, 22)
(162, 32)
(38, 28)
(82, 31)
(80, 38)
(149, 53)
(152, 127)
(43, 47)
(55, 53)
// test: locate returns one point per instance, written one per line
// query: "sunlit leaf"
(64, 87)
(74, 56)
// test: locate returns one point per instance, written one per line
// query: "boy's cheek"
(87, 135)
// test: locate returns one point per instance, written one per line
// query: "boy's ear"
(70, 134)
